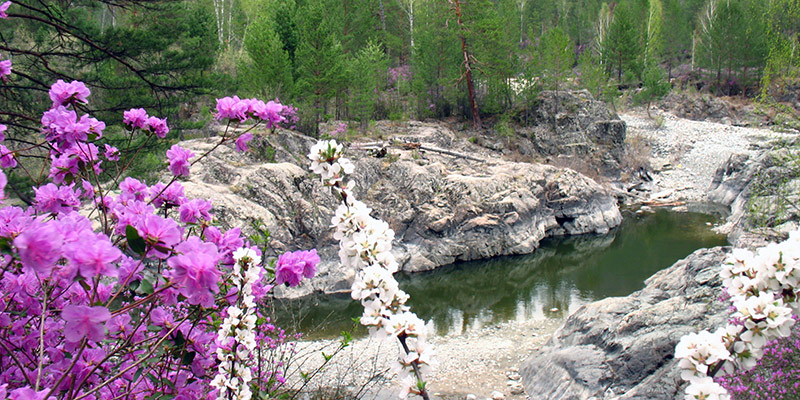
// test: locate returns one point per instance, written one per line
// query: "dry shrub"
(637, 154)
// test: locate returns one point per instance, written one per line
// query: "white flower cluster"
(236, 339)
(326, 161)
(365, 245)
(764, 290)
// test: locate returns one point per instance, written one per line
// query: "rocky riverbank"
(623, 348)
(446, 198)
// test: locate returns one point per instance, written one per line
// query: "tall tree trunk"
(476, 118)
(382, 15)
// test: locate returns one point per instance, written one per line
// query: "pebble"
(517, 388)
(498, 395)
(471, 397)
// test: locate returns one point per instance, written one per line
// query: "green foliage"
(555, 57)
(367, 76)
(592, 76)
(155, 57)
(731, 40)
(783, 60)
(622, 47)
(319, 59)
(653, 40)
(654, 86)
(266, 71)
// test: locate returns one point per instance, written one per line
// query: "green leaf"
(5, 247)
(188, 357)
(153, 378)
(137, 374)
(304, 375)
(135, 242)
(146, 287)
(327, 357)
(179, 339)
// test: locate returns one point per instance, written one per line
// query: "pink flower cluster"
(138, 118)
(234, 108)
(117, 302)
(293, 266)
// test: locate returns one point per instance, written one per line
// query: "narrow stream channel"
(555, 280)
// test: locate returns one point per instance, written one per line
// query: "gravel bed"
(480, 364)
(685, 153)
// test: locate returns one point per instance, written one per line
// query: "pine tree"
(266, 69)
(367, 72)
(319, 59)
(556, 58)
(621, 45)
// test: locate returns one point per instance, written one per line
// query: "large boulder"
(623, 347)
(443, 208)
(573, 125)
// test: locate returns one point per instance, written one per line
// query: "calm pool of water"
(554, 281)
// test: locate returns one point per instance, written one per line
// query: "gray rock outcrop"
(442, 208)
(762, 193)
(568, 128)
(623, 347)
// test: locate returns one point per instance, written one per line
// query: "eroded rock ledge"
(442, 208)
(623, 347)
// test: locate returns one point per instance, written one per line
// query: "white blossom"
(236, 339)
(706, 389)
(365, 245)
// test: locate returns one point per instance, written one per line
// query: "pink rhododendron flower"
(84, 322)
(97, 257)
(5, 70)
(63, 93)
(27, 393)
(3, 130)
(88, 189)
(13, 220)
(158, 231)
(158, 126)
(3, 9)
(131, 213)
(193, 210)
(39, 247)
(7, 159)
(135, 118)
(132, 188)
(273, 115)
(293, 266)
(54, 199)
(171, 196)
(195, 270)
(178, 158)
(231, 108)
(226, 242)
(242, 140)
(63, 127)
(111, 153)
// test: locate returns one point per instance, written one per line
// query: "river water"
(559, 277)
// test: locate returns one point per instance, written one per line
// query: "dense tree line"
(373, 59)
(361, 59)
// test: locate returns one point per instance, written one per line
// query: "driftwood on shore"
(413, 146)
(656, 203)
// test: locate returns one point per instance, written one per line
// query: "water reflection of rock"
(560, 276)
(525, 287)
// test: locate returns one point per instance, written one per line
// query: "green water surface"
(555, 280)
